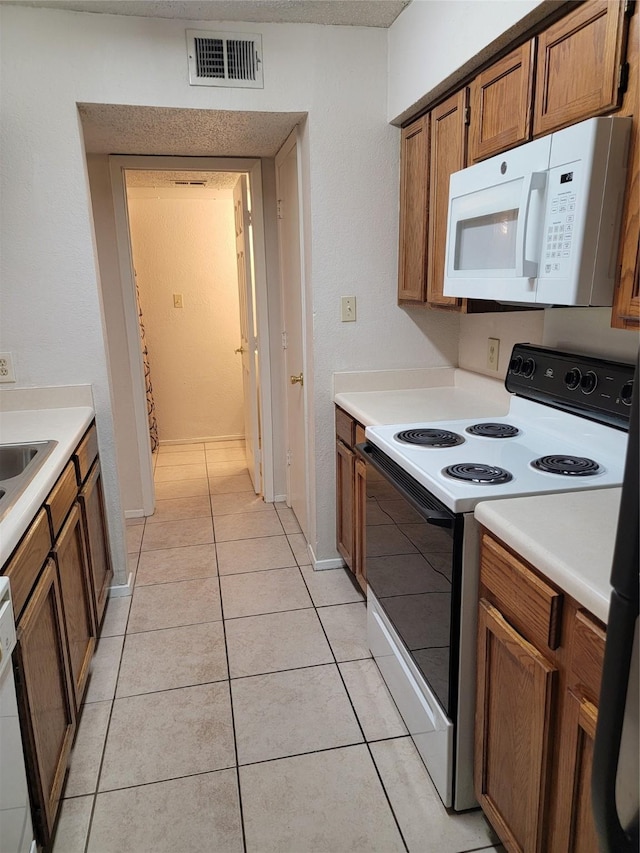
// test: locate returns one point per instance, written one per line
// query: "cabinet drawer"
(24, 566)
(86, 453)
(532, 606)
(345, 427)
(61, 499)
(587, 656)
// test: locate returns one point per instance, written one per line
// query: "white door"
(248, 348)
(293, 338)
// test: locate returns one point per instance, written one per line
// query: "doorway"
(193, 387)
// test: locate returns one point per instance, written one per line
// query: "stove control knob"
(515, 365)
(588, 382)
(626, 393)
(572, 378)
(528, 368)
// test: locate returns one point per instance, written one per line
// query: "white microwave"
(540, 223)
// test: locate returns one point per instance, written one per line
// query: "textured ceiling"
(155, 179)
(360, 13)
(123, 129)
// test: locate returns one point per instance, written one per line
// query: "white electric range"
(566, 429)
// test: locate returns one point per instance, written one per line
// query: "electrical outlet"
(6, 367)
(178, 301)
(493, 353)
(348, 305)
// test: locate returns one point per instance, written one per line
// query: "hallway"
(233, 703)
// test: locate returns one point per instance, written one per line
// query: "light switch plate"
(348, 309)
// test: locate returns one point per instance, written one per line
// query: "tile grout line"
(357, 718)
(233, 720)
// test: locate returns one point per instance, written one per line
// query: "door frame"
(291, 142)
(118, 164)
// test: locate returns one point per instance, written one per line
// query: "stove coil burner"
(567, 466)
(484, 475)
(489, 430)
(430, 437)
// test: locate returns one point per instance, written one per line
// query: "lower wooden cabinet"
(516, 698)
(60, 574)
(359, 544)
(45, 697)
(94, 520)
(538, 681)
(345, 466)
(77, 599)
(350, 495)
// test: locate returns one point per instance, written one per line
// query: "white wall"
(51, 317)
(183, 241)
(433, 40)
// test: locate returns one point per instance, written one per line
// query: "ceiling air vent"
(225, 59)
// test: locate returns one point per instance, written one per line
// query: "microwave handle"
(532, 182)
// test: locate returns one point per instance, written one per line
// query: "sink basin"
(19, 463)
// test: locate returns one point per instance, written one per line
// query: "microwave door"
(494, 239)
(494, 224)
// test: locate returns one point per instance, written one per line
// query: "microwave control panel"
(558, 235)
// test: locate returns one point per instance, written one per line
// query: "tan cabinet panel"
(578, 66)
(501, 104)
(414, 211)
(448, 155)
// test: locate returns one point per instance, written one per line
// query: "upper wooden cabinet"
(501, 104)
(414, 199)
(448, 155)
(626, 307)
(579, 65)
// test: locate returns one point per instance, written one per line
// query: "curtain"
(151, 406)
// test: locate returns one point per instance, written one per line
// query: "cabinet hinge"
(467, 115)
(623, 77)
(279, 209)
(284, 340)
(249, 218)
(288, 457)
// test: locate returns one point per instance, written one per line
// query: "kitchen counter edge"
(568, 537)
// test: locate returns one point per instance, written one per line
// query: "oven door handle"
(430, 515)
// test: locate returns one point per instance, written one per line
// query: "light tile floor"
(233, 703)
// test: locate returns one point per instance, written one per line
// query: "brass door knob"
(239, 350)
(298, 378)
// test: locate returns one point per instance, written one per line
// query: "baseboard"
(323, 565)
(122, 590)
(280, 499)
(134, 513)
(209, 438)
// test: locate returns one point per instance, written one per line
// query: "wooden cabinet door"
(414, 201)
(448, 155)
(626, 307)
(501, 104)
(95, 529)
(576, 830)
(579, 63)
(360, 501)
(345, 462)
(516, 689)
(77, 599)
(45, 697)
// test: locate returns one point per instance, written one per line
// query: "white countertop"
(465, 395)
(64, 425)
(568, 537)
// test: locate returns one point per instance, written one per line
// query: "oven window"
(487, 242)
(409, 568)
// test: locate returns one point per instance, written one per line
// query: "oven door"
(413, 568)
